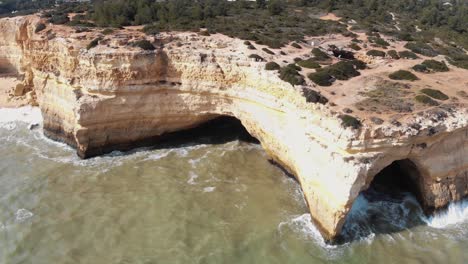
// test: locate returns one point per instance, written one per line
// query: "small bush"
(143, 44)
(423, 99)
(420, 68)
(40, 27)
(393, 54)
(354, 46)
(403, 75)
(256, 57)
(342, 70)
(437, 66)
(436, 94)
(272, 66)
(313, 96)
(421, 48)
(268, 51)
(291, 74)
(93, 43)
(319, 55)
(247, 43)
(379, 41)
(321, 78)
(376, 53)
(295, 45)
(406, 54)
(59, 19)
(251, 47)
(309, 63)
(350, 121)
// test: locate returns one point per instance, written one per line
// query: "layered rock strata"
(116, 96)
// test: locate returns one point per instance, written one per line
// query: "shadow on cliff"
(390, 205)
(220, 130)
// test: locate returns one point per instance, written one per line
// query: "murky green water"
(195, 204)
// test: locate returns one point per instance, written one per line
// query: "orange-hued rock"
(116, 96)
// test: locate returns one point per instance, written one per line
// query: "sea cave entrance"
(219, 130)
(391, 204)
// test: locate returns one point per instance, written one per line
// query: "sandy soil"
(7, 85)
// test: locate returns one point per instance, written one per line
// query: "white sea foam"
(25, 114)
(22, 215)
(455, 213)
(209, 189)
(192, 177)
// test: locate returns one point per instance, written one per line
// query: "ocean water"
(194, 203)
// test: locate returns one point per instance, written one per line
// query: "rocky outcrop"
(116, 96)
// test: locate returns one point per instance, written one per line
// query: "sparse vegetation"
(393, 54)
(426, 100)
(93, 43)
(342, 70)
(354, 46)
(268, 51)
(290, 73)
(436, 66)
(379, 41)
(295, 45)
(403, 75)
(421, 48)
(256, 57)
(376, 53)
(350, 121)
(309, 63)
(40, 27)
(420, 68)
(313, 96)
(406, 54)
(436, 94)
(143, 44)
(272, 66)
(320, 55)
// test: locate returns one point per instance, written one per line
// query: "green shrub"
(290, 73)
(272, 66)
(59, 19)
(354, 46)
(406, 54)
(376, 53)
(393, 54)
(421, 48)
(309, 63)
(436, 94)
(251, 47)
(93, 43)
(420, 68)
(355, 40)
(256, 57)
(319, 55)
(379, 41)
(313, 96)
(40, 27)
(143, 44)
(437, 66)
(204, 33)
(423, 99)
(268, 51)
(342, 70)
(350, 121)
(321, 78)
(403, 75)
(295, 45)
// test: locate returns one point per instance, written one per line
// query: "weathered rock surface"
(117, 97)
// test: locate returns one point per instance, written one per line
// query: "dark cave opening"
(391, 204)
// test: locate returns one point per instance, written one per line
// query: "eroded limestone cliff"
(115, 96)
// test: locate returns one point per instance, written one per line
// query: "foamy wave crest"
(25, 114)
(302, 224)
(456, 213)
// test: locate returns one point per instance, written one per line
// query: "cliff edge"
(115, 95)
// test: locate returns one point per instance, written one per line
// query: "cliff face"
(116, 97)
